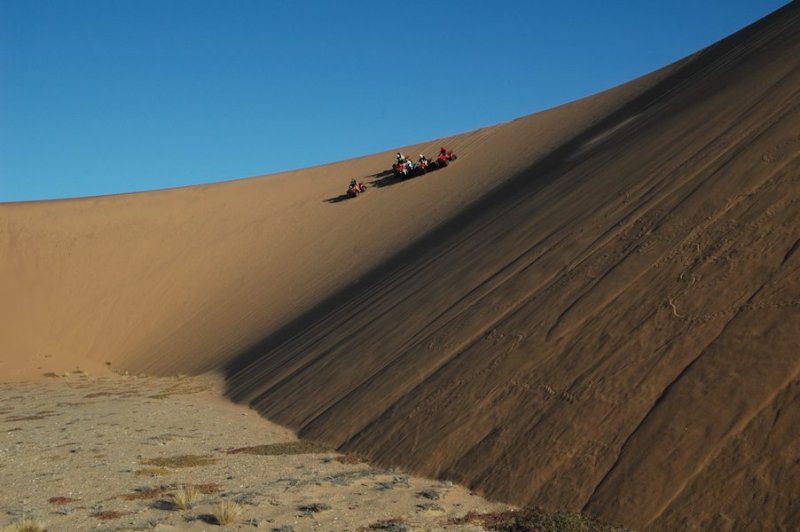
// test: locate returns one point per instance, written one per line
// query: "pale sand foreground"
(86, 438)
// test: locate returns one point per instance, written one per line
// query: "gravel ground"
(110, 453)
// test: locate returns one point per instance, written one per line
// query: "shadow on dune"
(385, 179)
(379, 175)
(372, 370)
(337, 199)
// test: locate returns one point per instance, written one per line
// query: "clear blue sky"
(99, 97)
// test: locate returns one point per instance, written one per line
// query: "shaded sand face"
(80, 452)
(615, 331)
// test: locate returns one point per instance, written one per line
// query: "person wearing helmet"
(355, 188)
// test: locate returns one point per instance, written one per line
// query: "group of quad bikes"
(404, 168)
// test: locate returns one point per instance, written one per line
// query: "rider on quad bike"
(423, 161)
(355, 188)
(445, 154)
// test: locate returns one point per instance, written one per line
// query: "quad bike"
(405, 170)
(400, 170)
(355, 190)
(444, 158)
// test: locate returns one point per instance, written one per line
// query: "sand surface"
(595, 308)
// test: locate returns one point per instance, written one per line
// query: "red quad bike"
(444, 158)
(355, 190)
(416, 170)
(405, 170)
(400, 170)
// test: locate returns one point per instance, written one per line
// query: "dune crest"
(596, 308)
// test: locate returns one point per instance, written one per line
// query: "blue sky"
(100, 97)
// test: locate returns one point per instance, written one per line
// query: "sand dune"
(596, 308)
(181, 280)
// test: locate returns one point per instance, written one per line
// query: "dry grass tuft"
(25, 524)
(226, 513)
(277, 449)
(185, 497)
(184, 460)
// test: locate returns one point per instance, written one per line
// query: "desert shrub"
(26, 524)
(226, 512)
(185, 497)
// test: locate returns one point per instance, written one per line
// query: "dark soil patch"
(184, 460)
(62, 500)
(277, 449)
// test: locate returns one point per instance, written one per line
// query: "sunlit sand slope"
(181, 280)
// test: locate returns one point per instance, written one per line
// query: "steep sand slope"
(617, 329)
(182, 280)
